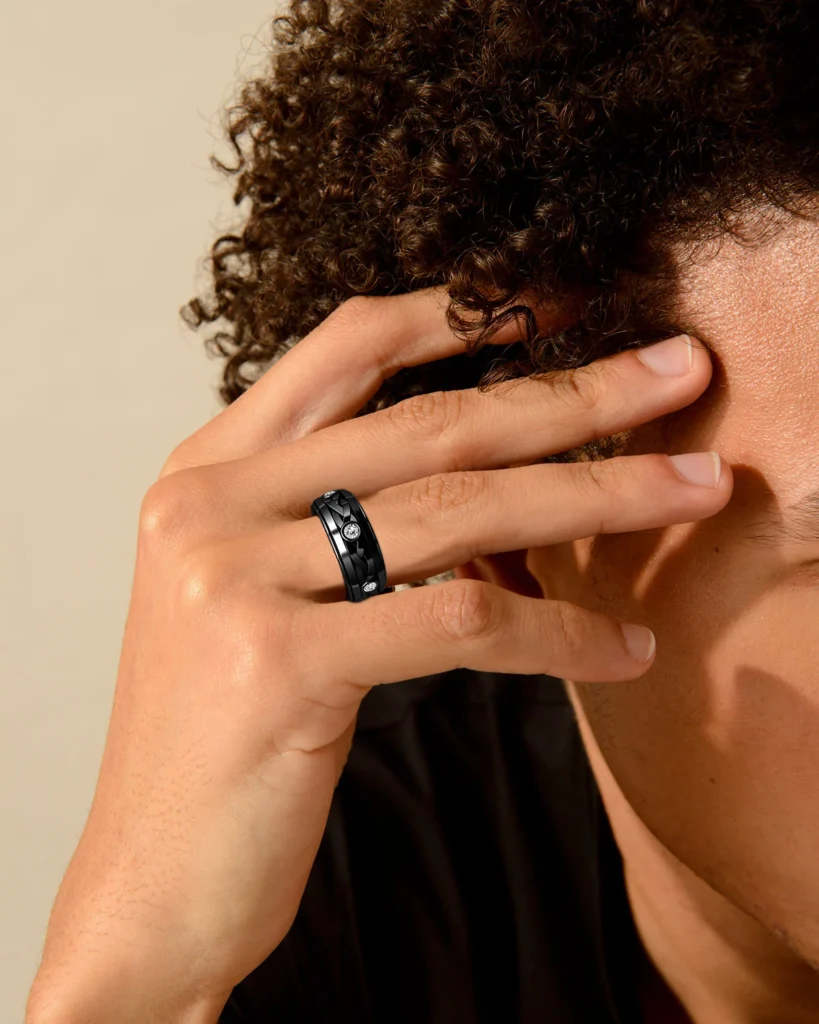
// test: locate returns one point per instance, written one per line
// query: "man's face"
(716, 747)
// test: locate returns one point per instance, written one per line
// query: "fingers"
(521, 421)
(430, 525)
(332, 372)
(457, 624)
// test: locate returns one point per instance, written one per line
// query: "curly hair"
(503, 148)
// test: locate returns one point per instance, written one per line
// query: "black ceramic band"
(354, 542)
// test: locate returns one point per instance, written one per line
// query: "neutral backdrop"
(109, 113)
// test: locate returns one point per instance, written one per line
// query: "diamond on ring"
(328, 494)
(351, 531)
(370, 587)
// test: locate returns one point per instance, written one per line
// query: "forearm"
(73, 1001)
(106, 960)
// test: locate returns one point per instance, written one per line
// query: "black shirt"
(467, 874)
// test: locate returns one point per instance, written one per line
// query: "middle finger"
(520, 421)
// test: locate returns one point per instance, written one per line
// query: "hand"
(243, 666)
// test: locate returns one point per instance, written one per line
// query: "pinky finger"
(466, 623)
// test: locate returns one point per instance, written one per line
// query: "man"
(650, 169)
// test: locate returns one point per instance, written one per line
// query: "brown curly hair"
(503, 148)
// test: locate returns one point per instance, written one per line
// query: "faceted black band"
(354, 542)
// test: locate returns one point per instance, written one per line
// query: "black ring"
(354, 542)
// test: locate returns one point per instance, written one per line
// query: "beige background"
(109, 113)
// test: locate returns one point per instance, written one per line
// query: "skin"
(235, 703)
(708, 763)
(242, 666)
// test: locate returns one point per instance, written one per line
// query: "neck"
(721, 964)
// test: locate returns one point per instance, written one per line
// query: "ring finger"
(427, 526)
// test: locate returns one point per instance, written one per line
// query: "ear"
(506, 569)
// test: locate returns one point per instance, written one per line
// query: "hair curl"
(500, 148)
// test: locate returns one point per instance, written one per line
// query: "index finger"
(333, 371)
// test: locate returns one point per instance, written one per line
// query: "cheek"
(716, 747)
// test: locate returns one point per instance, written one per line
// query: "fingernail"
(640, 641)
(669, 358)
(703, 468)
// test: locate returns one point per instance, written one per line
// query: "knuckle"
(167, 509)
(596, 477)
(569, 626)
(355, 312)
(444, 494)
(463, 609)
(428, 415)
(203, 581)
(250, 630)
(580, 388)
